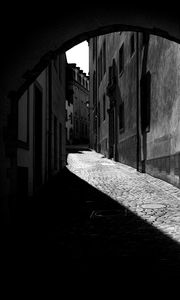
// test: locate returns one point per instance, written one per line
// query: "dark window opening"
(132, 45)
(121, 59)
(144, 38)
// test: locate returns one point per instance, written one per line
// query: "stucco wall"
(164, 65)
(126, 92)
(163, 140)
(93, 93)
(103, 129)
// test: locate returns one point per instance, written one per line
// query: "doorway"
(37, 136)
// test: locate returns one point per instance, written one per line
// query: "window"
(79, 78)
(132, 45)
(144, 37)
(121, 117)
(121, 59)
(23, 120)
(104, 107)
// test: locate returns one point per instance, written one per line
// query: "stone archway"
(32, 36)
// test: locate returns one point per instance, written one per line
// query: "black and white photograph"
(90, 150)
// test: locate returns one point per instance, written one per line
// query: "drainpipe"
(137, 101)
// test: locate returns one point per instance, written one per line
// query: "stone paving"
(154, 200)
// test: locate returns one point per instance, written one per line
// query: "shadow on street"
(71, 229)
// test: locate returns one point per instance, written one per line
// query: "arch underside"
(34, 36)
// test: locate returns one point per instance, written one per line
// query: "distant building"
(135, 101)
(78, 95)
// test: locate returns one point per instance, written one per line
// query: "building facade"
(78, 96)
(41, 129)
(134, 100)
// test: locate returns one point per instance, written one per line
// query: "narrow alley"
(90, 151)
(152, 199)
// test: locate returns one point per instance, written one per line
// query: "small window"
(132, 45)
(144, 38)
(121, 117)
(121, 59)
(79, 78)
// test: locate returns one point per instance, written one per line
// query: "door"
(37, 137)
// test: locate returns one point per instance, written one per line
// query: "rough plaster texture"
(163, 63)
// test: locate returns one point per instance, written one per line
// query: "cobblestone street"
(154, 200)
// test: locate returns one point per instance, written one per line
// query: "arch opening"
(29, 61)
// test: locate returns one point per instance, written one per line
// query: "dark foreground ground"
(72, 238)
